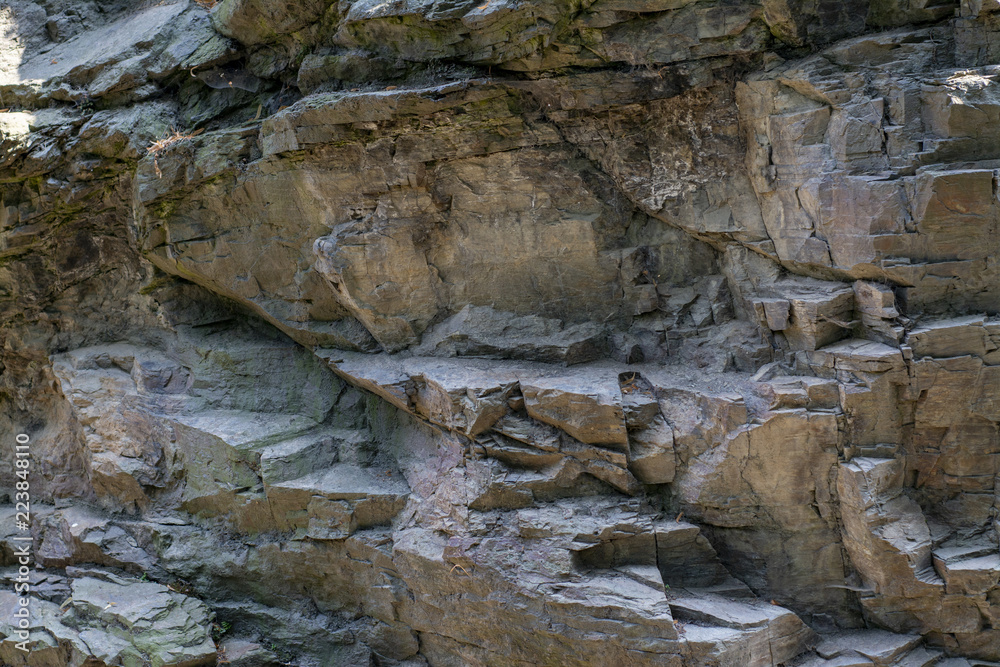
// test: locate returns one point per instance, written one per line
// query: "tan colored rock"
(686, 559)
(586, 406)
(770, 466)
(856, 355)
(818, 316)
(950, 338)
(875, 306)
(651, 453)
(825, 197)
(449, 397)
(333, 503)
(467, 199)
(968, 573)
(885, 532)
(791, 392)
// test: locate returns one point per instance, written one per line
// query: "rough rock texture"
(591, 332)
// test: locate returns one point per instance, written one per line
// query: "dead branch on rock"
(162, 144)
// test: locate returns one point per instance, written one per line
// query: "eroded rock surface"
(463, 333)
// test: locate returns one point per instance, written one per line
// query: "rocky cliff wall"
(590, 332)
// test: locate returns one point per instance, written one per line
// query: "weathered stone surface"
(482, 331)
(973, 576)
(126, 57)
(811, 314)
(952, 338)
(887, 534)
(120, 394)
(882, 647)
(826, 149)
(255, 22)
(651, 453)
(337, 501)
(245, 653)
(111, 620)
(586, 407)
(476, 334)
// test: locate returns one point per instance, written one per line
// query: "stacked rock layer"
(571, 332)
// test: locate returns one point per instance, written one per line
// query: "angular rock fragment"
(951, 338)
(481, 331)
(333, 503)
(876, 308)
(651, 453)
(584, 405)
(113, 620)
(968, 571)
(877, 645)
(815, 314)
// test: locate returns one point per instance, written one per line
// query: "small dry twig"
(923, 476)
(838, 323)
(458, 566)
(166, 142)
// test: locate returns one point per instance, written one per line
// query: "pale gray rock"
(482, 331)
(113, 620)
(117, 55)
(246, 653)
(882, 647)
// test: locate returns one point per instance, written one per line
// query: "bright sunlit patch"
(970, 81)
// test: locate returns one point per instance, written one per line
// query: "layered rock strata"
(463, 333)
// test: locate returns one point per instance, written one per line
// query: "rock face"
(657, 332)
(107, 619)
